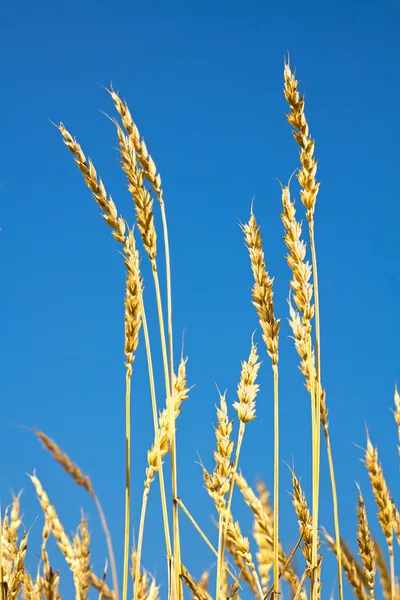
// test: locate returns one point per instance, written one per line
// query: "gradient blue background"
(203, 81)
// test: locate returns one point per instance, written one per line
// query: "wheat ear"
(160, 446)
(84, 481)
(366, 547)
(351, 570)
(383, 500)
(144, 212)
(384, 574)
(262, 294)
(246, 408)
(264, 534)
(308, 193)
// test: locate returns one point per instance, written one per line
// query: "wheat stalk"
(144, 212)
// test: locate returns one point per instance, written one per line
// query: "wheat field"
(260, 566)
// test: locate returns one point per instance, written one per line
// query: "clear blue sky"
(203, 81)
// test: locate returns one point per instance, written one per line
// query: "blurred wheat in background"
(263, 567)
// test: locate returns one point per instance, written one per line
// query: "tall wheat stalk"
(138, 165)
(308, 193)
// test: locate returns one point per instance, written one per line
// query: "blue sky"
(204, 83)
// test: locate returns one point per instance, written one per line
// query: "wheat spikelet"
(198, 591)
(350, 569)
(29, 589)
(381, 492)
(146, 588)
(301, 270)
(57, 529)
(263, 288)
(50, 583)
(106, 203)
(64, 460)
(366, 548)
(298, 121)
(263, 529)
(205, 580)
(304, 518)
(102, 586)
(82, 553)
(233, 593)
(263, 533)
(17, 575)
(383, 571)
(235, 541)
(9, 549)
(180, 394)
(15, 517)
(247, 388)
(222, 455)
(146, 161)
(133, 301)
(141, 196)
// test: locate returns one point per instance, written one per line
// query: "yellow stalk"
(318, 420)
(335, 511)
(302, 580)
(177, 557)
(285, 566)
(127, 478)
(317, 408)
(202, 534)
(392, 572)
(160, 471)
(276, 480)
(169, 292)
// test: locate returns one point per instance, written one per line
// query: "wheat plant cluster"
(240, 568)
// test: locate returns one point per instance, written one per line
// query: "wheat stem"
(158, 450)
(127, 480)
